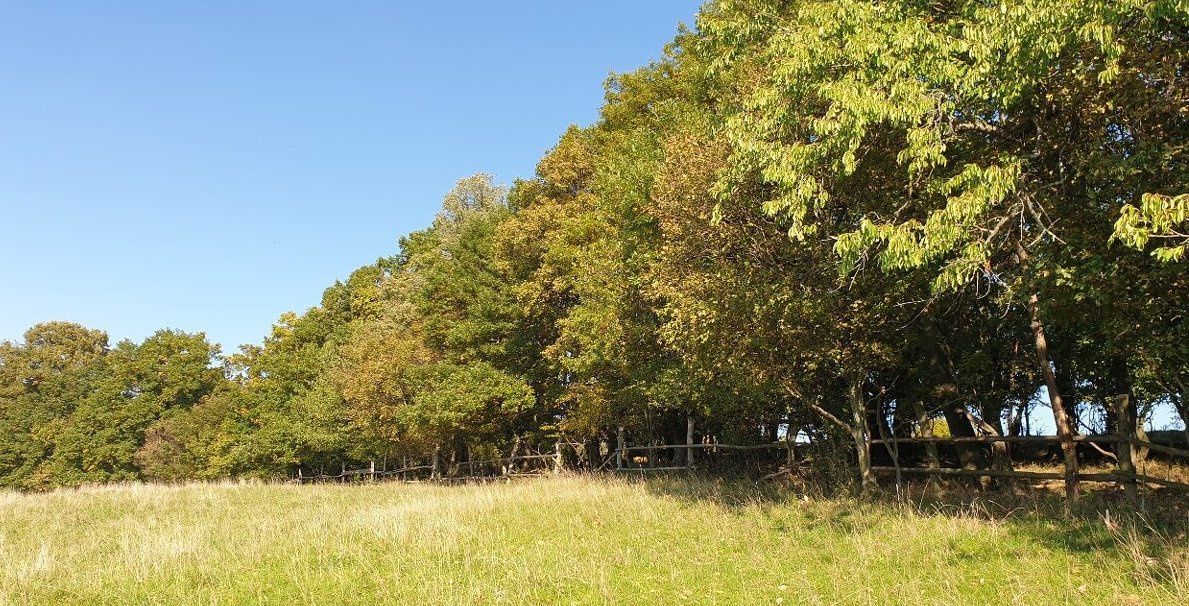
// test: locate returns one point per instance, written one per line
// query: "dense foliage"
(833, 215)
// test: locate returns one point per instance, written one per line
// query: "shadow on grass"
(1102, 521)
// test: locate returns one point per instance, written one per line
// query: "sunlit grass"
(567, 540)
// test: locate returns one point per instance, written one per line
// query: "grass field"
(568, 540)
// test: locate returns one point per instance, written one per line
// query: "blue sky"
(209, 165)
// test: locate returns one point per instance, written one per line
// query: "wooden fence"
(1121, 476)
(1124, 442)
(1125, 476)
(504, 466)
(553, 462)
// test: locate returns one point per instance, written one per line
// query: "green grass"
(554, 541)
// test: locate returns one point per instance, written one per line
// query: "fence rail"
(711, 446)
(504, 463)
(1125, 476)
(1125, 438)
(1104, 439)
(1168, 450)
(999, 473)
(1124, 441)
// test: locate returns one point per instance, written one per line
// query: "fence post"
(1126, 429)
(557, 461)
(371, 470)
(300, 479)
(689, 441)
(619, 450)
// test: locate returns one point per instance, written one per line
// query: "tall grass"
(569, 540)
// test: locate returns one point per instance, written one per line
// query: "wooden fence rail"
(372, 473)
(1124, 440)
(712, 446)
(1168, 450)
(1106, 439)
(999, 473)
(505, 463)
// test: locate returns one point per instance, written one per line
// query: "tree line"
(832, 215)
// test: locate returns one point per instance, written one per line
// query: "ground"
(567, 540)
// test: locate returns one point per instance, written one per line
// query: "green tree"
(170, 370)
(42, 381)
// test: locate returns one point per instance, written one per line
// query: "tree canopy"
(965, 208)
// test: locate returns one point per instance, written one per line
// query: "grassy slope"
(558, 541)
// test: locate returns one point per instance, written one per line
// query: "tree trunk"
(1060, 417)
(903, 418)
(689, 441)
(1069, 398)
(970, 456)
(436, 465)
(512, 467)
(992, 415)
(1016, 426)
(459, 455)
(1000, 453)
(1141, 452)
(877, 425)
(1181, 403)
(790, 440)
(859, 433)
(770, 431)
(891, 447)
(1120, 388)
(1182, 406)
(1125, 414)
(619, 448)
(925, 430)
(590, 447)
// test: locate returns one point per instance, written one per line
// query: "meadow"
(567, 540)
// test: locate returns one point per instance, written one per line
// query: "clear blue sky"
(209, 165)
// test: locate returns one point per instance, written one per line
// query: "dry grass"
(570, 540)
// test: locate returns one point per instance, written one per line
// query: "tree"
(41, 382)
(170, 370)
(969, 139)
